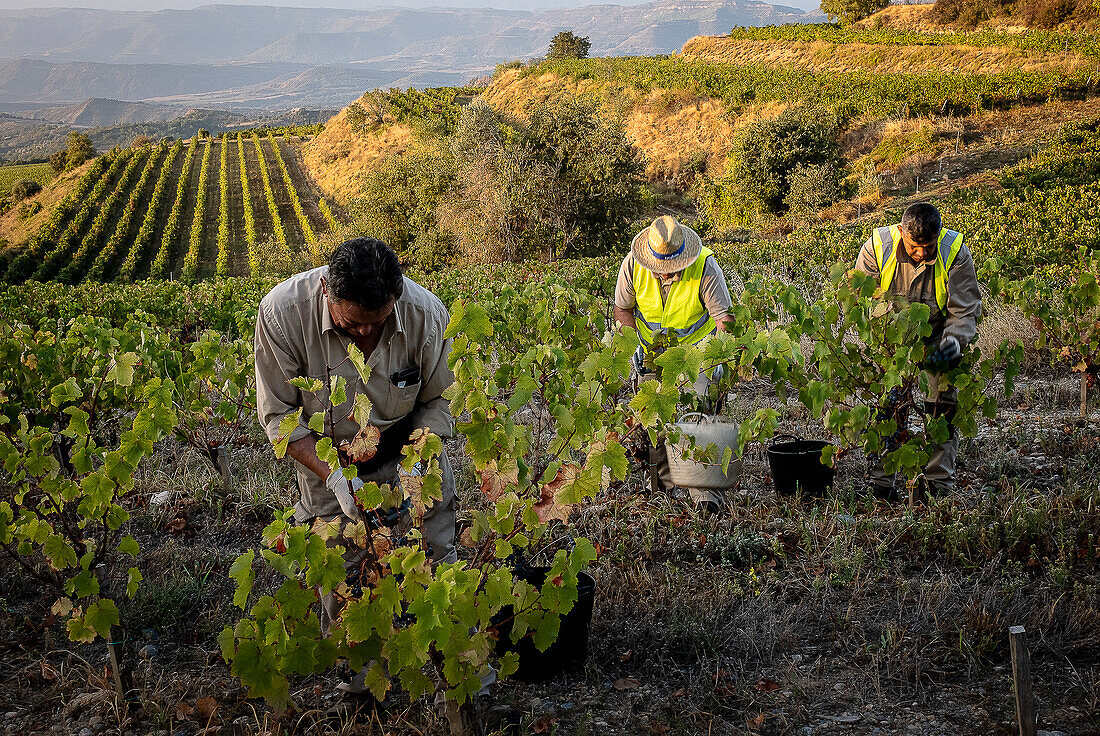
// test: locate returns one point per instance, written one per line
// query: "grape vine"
(303, 221)
(249, 216)
(162, 262)
(140, 247)
(75, 270)
(102, 263)
(194, 250)
(222, 266)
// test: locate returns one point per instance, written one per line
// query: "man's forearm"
(305, 452)
(625, 317)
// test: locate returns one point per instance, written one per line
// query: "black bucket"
(568, 650)
(796, 463)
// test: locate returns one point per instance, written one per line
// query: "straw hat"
(666, 246)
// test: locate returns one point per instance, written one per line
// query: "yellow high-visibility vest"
(682, 314)
(887, 240)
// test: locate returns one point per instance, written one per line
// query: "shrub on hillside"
(812, 188)
(400, 198)
(969, 12)
(849, 11)
(765, 153)
(58, 160)
(599, 175)
(1049, 13)
(566, 184)
(78, 149)
(25, 188)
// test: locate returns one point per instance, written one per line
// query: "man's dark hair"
(365, 271)
(922, 223)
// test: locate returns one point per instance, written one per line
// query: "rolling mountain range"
(273, 57)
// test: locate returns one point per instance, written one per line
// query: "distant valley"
(278, 58)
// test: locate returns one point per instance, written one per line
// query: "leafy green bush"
(969, 12)
(600, 175)
(399, 199)
(765, 153)
(812, 188)
(25, 188)
(849, 11)
(892, 150)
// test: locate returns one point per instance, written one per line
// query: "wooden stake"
(1021, 680)
(1084, 395)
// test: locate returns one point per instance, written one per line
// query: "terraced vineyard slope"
(190, 210)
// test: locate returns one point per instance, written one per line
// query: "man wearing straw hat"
(670, 284)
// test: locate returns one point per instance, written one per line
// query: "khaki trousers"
(940, 469)
(438, 529)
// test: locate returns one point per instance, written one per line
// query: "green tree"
(399, 202)
(567, 45)
(849, 11)
(567, 183)
(79, 150)
(25, 188)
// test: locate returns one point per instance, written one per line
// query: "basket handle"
(796, 438)
(696, 415)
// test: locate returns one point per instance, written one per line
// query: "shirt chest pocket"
(400, 401)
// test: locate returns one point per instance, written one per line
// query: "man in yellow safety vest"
(670, 283)
(918, 260)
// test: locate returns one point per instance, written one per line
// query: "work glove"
(950, 348)
(337, 482)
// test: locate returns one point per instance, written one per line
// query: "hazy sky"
(181, 4)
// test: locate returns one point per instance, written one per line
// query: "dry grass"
(902, 17)
(833, 57)
(690, 131)
(14, 230)
(1001, 322)
(337, 157)
(517, 95)
(674, 129)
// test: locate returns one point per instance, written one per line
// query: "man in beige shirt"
(305, 327)
(919, 260)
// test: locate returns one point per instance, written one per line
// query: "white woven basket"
(688, 473)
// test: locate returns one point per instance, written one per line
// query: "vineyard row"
(177, 212)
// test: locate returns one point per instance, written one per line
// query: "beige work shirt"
(915, 282)
(295, 336)
(713, 290)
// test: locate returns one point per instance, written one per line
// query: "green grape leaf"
(122, 369)
(241, 571)
(133, 580)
